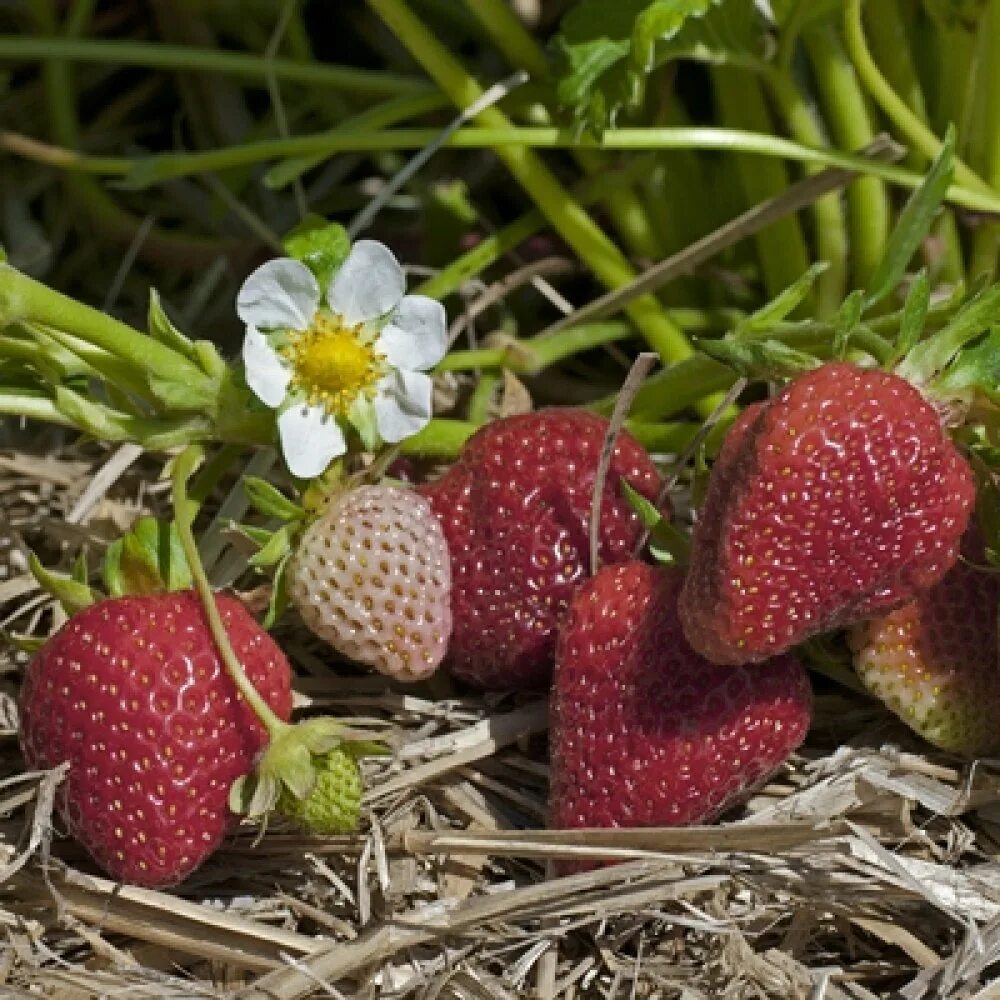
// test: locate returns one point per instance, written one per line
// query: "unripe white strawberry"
(372, 577)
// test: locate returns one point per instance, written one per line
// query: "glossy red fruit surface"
(838, 499)
(515, 509)
(643, 730)
(132, 693)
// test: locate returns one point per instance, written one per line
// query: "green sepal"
(322, 246)
(280, 596)
(71, 594)
(932, 356)
(95, 419)
(270, 501)
(914, 222)
(208, 358)
(361, 417)
(161, 328)
(915, 309)
(81, 571)
(759, 359)
(848, 318)
(184, 396)
(277, 547)
(148, 560)
(783, 304)
(666, 543)
(259, 536)
(976, 369)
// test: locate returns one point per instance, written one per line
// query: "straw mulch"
(866, 868)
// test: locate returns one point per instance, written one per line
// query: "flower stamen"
(332, 363)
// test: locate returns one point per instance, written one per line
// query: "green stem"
(986, 243)
(891, 49)
(481, 398)
(184, 59)
(521, 50)
(513, 143)
(184, 514)
(847, 113)
(910, 126)
(828, 213)
(781, 246)
(566, 214)
(24, 300)
(441, 438)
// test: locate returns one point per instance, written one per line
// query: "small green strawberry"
(334, 804)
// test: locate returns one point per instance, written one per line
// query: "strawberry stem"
(184, 514)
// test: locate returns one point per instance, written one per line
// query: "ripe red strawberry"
(936, 661)
(643, 731)
(515, 509)
(131, 691)
(839, 498)
(371, 576)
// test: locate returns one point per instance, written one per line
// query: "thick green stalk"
(869, 213)
(566, 214)
(986, 243)
(913, 130)
(828, 211)
(781, 246)
(891, 47)
(521, 50)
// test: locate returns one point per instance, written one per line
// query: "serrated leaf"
(784, 303)
(607, 49)
(322, 246)
(848, 317)
(71, 594)
(759, 359)
(270, 501)
(914, 222)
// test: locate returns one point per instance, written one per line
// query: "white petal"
(310, 439)
(369, 283)
(282, 294)
(416, 337)
(403, 405)
(266, 374)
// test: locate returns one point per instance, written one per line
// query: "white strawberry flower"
(355, 353)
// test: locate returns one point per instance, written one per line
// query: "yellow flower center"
(332, 363)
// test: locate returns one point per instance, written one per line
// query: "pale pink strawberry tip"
(372, 577)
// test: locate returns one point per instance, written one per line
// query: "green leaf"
(931, 356)
(666, 543)
(607, 49)
(278, 546)
(759, 359)
(974, 369)
(148, 560)
(270, 501)
(914, 222)
(280, 594)
(911, 326)
(71, 594)
(184, 396)
(848, 317)
(322, 246)
(783, 304)
(161, 328)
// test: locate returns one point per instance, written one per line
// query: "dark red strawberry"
(644, 732)
(515, 509)
(839, 498)
(936, 661)
(132, 693)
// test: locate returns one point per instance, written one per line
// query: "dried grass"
(866, 868)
